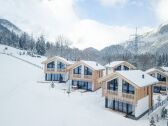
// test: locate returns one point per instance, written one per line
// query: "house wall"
(160, 83)
(142, 106)
(96, 74)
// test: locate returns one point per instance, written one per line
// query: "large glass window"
(126, 68)
(113, 84)
(156, 89)
(77, 70)
(51, 65)
(118, 68)
(121, 106)
(60, 65)
(127, 88)
(82, 84)
(87, 71)
(160, 77)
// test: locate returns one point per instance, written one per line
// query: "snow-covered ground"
(25, 102)
(16, 52)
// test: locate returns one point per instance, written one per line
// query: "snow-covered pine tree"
(152, 122)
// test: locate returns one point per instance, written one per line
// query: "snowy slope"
(24, 102)
(16, 52)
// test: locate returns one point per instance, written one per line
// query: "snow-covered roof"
(59, 58)
(165, 68)
(150, 70)
(93, 65)
(136, 77)
(117, 63)
(158, 70)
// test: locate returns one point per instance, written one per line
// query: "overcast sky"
(88, 23)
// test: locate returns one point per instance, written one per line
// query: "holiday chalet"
(129, 92)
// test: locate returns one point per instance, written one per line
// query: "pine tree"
(40, 45)
(152, 122)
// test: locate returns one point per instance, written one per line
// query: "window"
(118, 68)
(60, 65)
(77, 70)
(126, 68)
(87, 71)
(51, 65)
(127, 88)
(153, 75)
(82, 84)
(113, 85)
(156, 89)
(160, 77)
(163, 88)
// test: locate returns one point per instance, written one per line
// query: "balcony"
(80, 76)
(88, 76)
(120, 96)
(55, 70)
(77, 75)
(61, 70)
(50, 69)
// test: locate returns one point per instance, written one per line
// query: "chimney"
(143, 76)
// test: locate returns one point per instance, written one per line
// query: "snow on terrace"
(15, 52)
(24, 102)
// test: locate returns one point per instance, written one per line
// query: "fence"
(157, 105)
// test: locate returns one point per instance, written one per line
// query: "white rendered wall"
(142, 106)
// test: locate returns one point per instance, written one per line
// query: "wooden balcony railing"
(61, 70)
(88, 76)
(76, 75)
(129, 98)
(55, 70)
(50, 69)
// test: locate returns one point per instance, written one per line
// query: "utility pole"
(136, 40)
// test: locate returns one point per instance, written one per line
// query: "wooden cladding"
(142, 92)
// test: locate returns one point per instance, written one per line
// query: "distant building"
(85, 75)
(55, 69)
(162, 75)
(118, 66)
(129, 92)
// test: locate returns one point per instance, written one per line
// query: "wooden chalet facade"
(118, 66)
(55, 69)
(85, 75)
(162, 75)
(129, 92)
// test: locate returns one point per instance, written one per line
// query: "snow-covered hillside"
(19, 53)
(11, 27)
(151, 42)
(25, 102)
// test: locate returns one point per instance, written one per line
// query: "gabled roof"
(133, 76)
(117, 63)
(91, 64)
(157, 70)
(164, 68)
(58, 58)
(151, 70)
